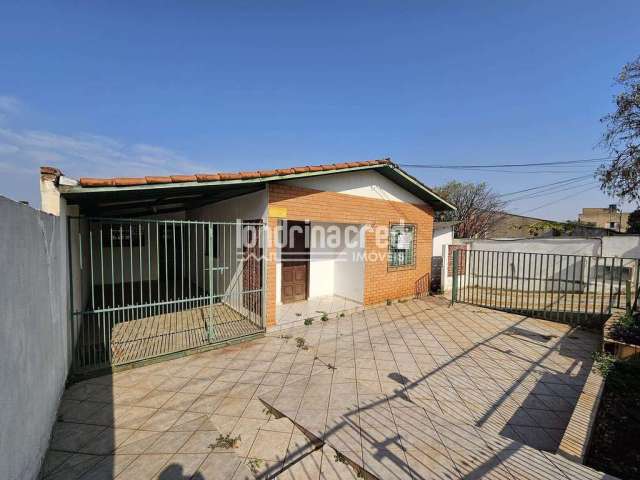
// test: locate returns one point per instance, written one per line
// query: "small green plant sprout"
(301, 343)
(604, 363)
(389, 301)
(402, 300)
(324, 317)
(341, 315)
(226, 442)
(308, 321)
(254, 465)
(330, 366)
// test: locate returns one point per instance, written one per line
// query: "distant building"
(509, 225)
(610, 217)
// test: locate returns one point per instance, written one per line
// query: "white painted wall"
(333, 269)
(564, 246)
(34, 333)
(441, 237)
(252, 206)
(362, 183)
(621, 246)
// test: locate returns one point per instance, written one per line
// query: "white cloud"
(89, 155)
(9, 106)
(23, 151)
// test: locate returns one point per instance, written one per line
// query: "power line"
(557, 200)
(556, 189)
(564, 182)
(502, 165)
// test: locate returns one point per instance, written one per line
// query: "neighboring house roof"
(246, 180)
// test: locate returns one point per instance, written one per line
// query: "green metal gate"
(146, 288)
(568, 288)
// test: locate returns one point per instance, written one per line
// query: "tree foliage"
(479, 208)
(621, 177)
(634, 221)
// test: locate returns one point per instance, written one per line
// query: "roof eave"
(77, 189)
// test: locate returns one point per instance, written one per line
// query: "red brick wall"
(381, 282)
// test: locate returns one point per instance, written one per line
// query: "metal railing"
(567, 288)
(144, 288)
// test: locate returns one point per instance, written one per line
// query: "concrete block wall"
(33, 334)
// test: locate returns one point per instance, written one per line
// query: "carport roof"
(209, 186)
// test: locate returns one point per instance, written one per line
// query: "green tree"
(634, 221)
(478, 207)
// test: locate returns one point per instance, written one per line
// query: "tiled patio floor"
(294, 314)
(376, 385)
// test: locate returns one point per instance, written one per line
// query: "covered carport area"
(162, 269)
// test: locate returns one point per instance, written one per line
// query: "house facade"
(326, 238)
(610, 217)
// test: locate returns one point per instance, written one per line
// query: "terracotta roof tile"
(183, 178)
(208, 177)
(214, 177)
(154, 180)
(127, 182)
(96, 182)
(230, 176)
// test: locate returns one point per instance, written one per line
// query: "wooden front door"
(295, 263)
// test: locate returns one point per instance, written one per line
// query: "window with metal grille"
(401, 245)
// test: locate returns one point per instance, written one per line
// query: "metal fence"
(145, 288)
(569, 288)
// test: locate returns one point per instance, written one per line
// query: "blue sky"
(133, 88)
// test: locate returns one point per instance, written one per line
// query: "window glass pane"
(401, 245)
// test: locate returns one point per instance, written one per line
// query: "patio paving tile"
(416, 389)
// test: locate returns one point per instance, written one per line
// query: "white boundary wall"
(34, 333)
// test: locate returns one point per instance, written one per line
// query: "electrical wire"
(563, 182)
(556, 189)
(557, 200)
(502, 165)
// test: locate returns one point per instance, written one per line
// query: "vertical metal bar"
(121, 268)
(586, 305)
(189, 256)
(553, 284)
(519, 274)
(536, 291)
(140, 264)
(595, 288)
(604, 289)
(511, 267)
(93, 297)
(131, 262)
(573, 282)
(611, 271)
(210, 319)
(195, 263)
(106, 321)
(173, 235)
(181, 262)
(559, 314)
(149, 261)
(492, 277)
(566, 284)
(454, 287)
(546, 280)
(620, 270)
